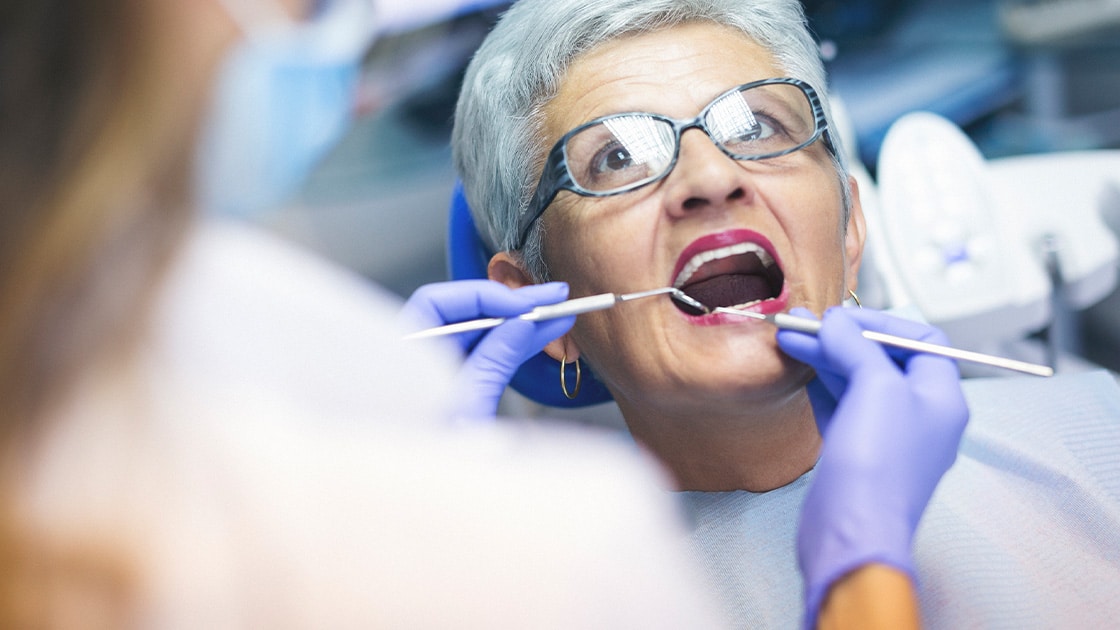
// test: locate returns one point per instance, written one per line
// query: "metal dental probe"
(562, 309)
(811, 326)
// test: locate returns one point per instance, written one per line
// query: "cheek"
(594, 254)
(829, 264)
(568, 251)
(558, 242)
(820, 249)
(621, 345)
(816, 244)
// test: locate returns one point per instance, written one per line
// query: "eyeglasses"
(621, 152)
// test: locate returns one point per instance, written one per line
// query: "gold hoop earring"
(855, 298)
(563, 381)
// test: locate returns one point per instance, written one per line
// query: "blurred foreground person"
(205, 428)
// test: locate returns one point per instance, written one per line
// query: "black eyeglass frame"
(556, 177)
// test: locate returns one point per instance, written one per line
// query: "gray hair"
(496, 142)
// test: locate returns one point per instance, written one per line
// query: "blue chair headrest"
(538, 378)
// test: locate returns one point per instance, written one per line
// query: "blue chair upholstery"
(539, 377)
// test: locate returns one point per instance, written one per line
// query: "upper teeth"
(715, 254)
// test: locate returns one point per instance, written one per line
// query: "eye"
(619, 151)
(765, 135)
(761, 130)
(611, 166)
(613, 157)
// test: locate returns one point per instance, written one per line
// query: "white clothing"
(1022, 532)
(278, 457)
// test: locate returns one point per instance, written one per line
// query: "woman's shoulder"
(1029, 504)
(1066, 409)
(1052, 439)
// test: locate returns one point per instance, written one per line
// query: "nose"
(705, 177)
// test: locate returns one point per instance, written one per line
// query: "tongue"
(729, 290)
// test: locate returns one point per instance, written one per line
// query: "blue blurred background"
(1020, 77)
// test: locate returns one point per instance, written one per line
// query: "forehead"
(674, 71)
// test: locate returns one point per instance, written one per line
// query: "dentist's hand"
(891, 429)
(492, 356)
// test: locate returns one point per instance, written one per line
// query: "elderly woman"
(623, 146)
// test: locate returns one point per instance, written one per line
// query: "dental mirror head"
(687, 300)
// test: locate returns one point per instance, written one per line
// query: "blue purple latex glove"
(891, 426)
(492, 356)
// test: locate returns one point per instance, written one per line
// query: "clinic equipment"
(567, 308)
(963, 259)
(992, 251)
(810, 326)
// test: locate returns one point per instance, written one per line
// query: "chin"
(751, 377)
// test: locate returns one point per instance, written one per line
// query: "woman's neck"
(757, 450)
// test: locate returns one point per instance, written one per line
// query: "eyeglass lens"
(629, 149)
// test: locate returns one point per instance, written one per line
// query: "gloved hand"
(492, 356)
(891, 428)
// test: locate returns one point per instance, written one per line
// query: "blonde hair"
(93, 157)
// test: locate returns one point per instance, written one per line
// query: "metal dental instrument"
(562, 309)
(811, 326)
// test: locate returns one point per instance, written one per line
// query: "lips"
(733, 268)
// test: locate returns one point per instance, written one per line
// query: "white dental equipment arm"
(965, 235)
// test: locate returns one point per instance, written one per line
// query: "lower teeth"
(747, 304)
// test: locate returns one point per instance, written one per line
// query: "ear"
(854, 239)
(507, 268)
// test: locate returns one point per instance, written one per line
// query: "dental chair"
(1001, 254)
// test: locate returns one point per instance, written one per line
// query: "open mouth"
(735, 275)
